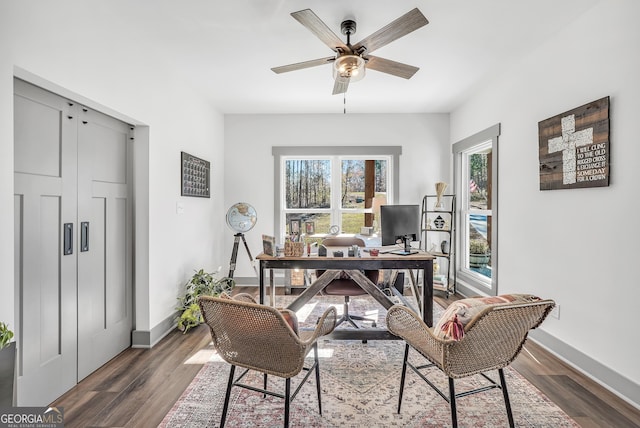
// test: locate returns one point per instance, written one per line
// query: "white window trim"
(468, 282)
(280, 153)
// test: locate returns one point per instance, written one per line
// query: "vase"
(7, 374)
(440, 188)
(444, 246)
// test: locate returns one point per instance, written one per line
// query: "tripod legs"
(234, 254)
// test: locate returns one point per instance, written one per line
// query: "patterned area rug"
(360, 384)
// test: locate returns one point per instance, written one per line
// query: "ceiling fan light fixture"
(350, 67)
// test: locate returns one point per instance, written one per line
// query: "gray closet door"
(104, 258)
(73, 241)
(45, 158)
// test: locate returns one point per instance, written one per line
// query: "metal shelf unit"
(439, 224)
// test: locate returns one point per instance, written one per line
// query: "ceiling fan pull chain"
(344, 102)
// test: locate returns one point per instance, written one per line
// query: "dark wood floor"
(139, 386)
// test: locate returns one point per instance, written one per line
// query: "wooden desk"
(333, 266)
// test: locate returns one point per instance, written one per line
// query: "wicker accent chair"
(346, 286)
(491, 341)
(262, 338)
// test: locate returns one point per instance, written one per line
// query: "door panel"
(104, 272)
(44, 183)
(37, 150)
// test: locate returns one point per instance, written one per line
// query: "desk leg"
(261, 290)
(427, 294)
(272, 288)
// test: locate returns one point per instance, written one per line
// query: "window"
(322, 186)
(475, 161)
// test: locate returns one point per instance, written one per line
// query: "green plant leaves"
(201, 284)
(5, 335)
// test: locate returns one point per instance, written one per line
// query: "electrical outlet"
(555, 312)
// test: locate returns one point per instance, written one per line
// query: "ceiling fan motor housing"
(348, 28)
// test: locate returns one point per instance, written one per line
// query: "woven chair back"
(494, 339)
(253, 336)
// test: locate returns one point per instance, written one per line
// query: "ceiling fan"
(351, 61)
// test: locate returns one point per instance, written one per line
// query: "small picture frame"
(269, 245)
(310, 227)
(295, 226)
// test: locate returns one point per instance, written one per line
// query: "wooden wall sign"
(574, 148)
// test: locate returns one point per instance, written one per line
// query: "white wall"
(249, 164)
(96, 53)
(575, 246)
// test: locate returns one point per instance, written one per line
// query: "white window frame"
(336, 154)
(468, 281)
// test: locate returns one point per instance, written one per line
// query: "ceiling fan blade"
(305, 64)
(314, 24)
(391, 67)
(340, 86)
(402, 26)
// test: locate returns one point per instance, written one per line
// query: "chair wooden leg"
(232, 372)
(317, 368)
(287, 401)
(403, 375)
(452, 402)
(505, 393)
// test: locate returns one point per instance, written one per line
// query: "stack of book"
(440, 280)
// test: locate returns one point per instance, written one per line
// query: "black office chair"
(345, 286)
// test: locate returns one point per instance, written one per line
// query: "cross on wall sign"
(574, 147)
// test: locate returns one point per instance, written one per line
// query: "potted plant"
(7, 365)
(479, 253)
(201, 284)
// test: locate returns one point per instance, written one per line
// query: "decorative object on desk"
(269, 245)
(574, 148)
(194, 176)
(354, 251)
(201, 284)
(374, 252)
(338, 253)
(322, 251)
(293, 249)
(366, 230)
(310, 227)
(294, 227)
(444, 246)
(439, 222)
(7, 365)
(479, 254)
(440, 188)
(334, 229)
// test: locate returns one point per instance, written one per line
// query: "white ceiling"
(227, 48)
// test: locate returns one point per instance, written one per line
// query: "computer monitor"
(400, 223)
